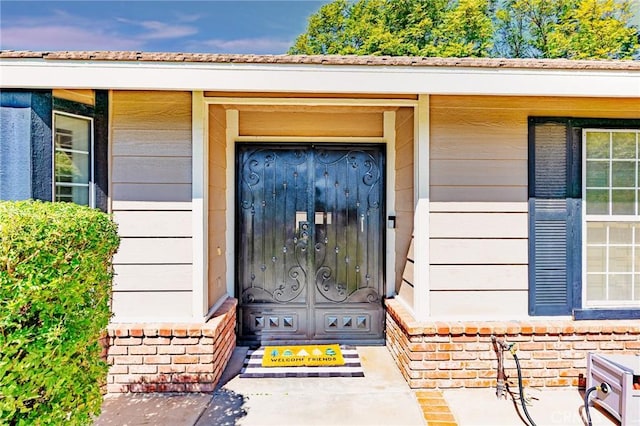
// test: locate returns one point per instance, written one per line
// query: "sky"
(205, 26)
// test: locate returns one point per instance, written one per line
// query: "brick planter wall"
(459, 354)
(168, 357)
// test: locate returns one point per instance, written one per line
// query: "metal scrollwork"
(310, 227)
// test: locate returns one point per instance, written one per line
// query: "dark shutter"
(101, 149)
(554, 217)
(41, 146)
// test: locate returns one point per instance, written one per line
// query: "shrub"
(55, 288)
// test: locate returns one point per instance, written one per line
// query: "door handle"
(362, 222)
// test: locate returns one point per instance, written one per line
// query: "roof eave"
(306, 77)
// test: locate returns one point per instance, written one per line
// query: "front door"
(310, 246)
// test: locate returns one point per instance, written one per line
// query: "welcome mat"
(302, 356)
(351, 368)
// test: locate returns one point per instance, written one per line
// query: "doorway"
(310, 243)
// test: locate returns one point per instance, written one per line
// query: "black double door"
(310, 243)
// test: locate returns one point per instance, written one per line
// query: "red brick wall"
(167, 357)
(460, 354)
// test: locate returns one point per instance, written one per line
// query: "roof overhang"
(317, 78)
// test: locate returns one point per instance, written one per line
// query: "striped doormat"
(253, 367)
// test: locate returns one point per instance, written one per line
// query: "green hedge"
(55, 288)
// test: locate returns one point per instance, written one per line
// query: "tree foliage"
(574, 29)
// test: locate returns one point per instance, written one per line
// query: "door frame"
(388, 138)
(201, 102)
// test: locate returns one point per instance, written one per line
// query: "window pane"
(597, 145)
(73, 194)
(72, 133)
(72, 158)
(596, 259)
(81, 195)
(598, 174)
(612, 188)
(72, 167)
(620, 233)
(623, 174)
(624, 201)
(596, 233)
(63, 193)
(620, 287)
(624, 145)
(597, 201)
(596, 284)
(620, 259)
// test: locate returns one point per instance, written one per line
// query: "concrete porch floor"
(480, 407)
(382, 397)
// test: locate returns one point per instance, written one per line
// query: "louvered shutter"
(554, 215)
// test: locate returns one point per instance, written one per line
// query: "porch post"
(232, 132)
(421, 303)
(199, 205)
(390, 138)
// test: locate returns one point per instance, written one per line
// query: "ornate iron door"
(310, 243)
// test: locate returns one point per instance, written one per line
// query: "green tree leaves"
(574, 29)
(595, 29)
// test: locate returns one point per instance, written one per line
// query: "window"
(72, 160)
(611, 217)
(57, 148)
(584, 217)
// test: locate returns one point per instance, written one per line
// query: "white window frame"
(91, 184)
(607, 218)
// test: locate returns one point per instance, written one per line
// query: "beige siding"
(151, 202)
(152, 306)
(310, 123)
(169, 277)
(492, 304)
(162, 223)
(84, 96)
(406, 289)
(404, 192)
(168, 143)
(478, 224)
(151, 196)
(478, 277)
(217, 203)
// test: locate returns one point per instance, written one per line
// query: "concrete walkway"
(382, 397)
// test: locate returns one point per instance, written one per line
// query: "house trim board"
(389, 133)
(232, 136)
(421, 299)
(199, 203)
(307, 78)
